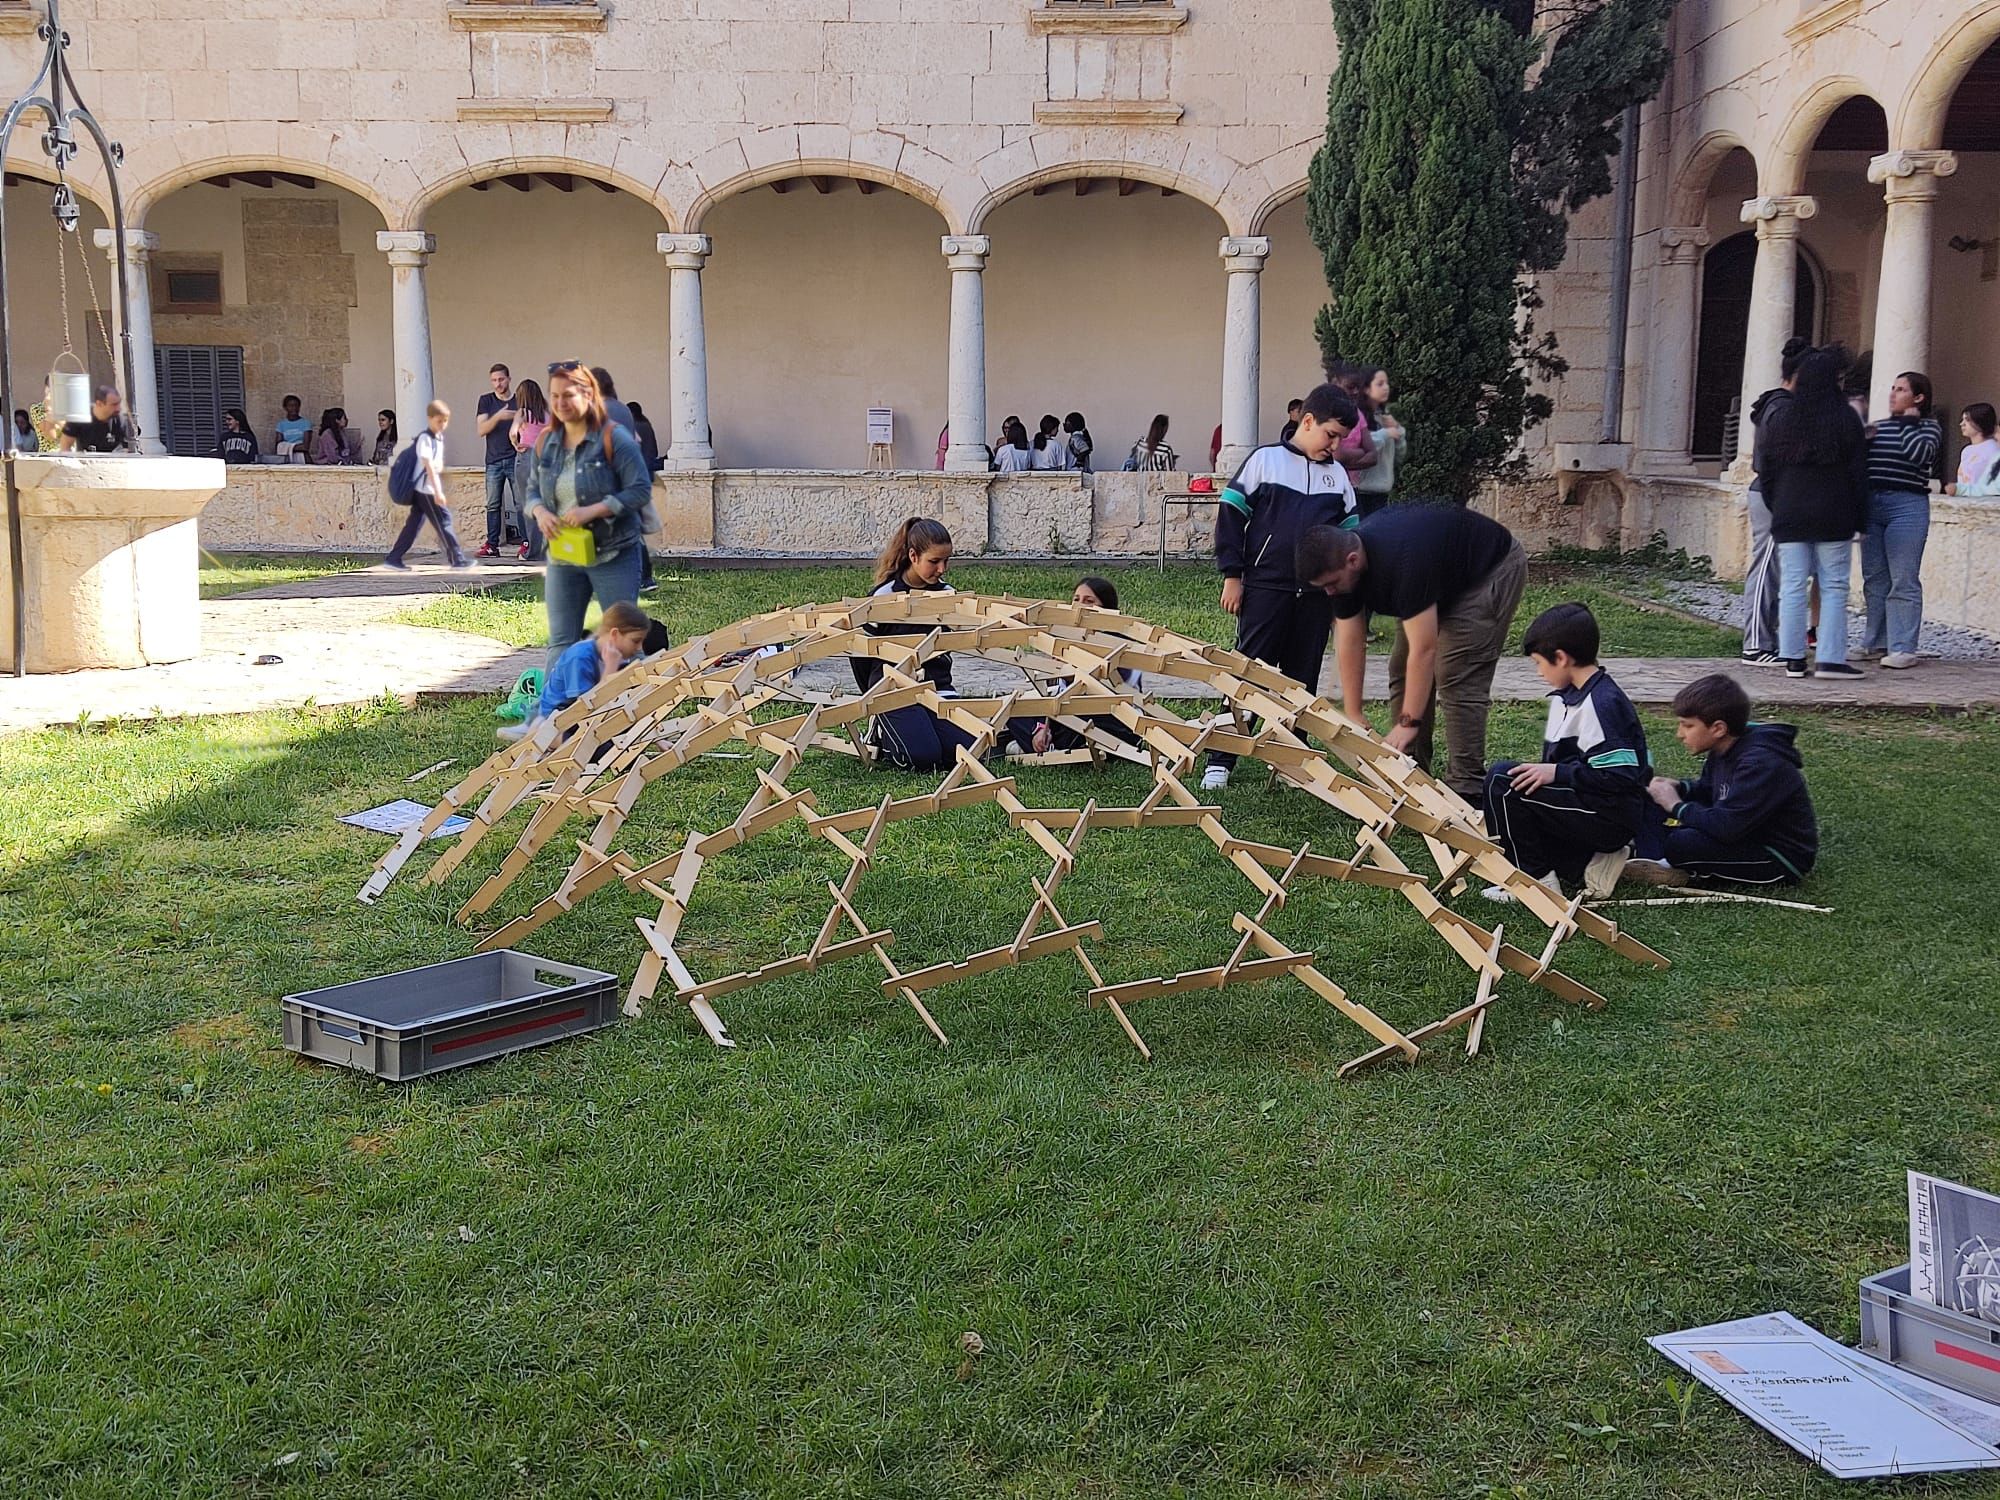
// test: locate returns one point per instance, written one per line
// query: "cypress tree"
(1442, 180)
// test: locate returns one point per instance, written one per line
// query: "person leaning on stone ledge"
(109, 430)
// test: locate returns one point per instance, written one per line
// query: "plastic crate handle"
(345, 1033)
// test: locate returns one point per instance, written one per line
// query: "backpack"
(403, 476)
(915, 739)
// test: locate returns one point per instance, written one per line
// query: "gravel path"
(1723, 605)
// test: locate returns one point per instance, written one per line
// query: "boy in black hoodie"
(1747, 817)
(1281, 491)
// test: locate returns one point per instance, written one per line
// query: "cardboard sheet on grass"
(1854, 1416)
(394, 817)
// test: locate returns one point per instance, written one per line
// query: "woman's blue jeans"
(1798, 564)
(1892, 563)
(567, 591)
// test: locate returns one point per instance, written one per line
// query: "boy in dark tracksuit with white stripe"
(1575, 813)
(1281, 490)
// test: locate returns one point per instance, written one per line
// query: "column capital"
(406, 247)
(1682, 244)
(1779, 217)
(967, 252)
(685, 252)
(139, 243)
(1911, 174)
(1244, 252)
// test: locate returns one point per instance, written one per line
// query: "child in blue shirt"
(621, 636)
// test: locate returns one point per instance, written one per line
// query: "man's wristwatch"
(1408, 721)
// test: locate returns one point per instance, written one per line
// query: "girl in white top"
(1051, 450)
(1982, 451)
(1013, 456)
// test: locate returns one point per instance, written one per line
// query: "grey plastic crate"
(1950, 1347)
(423, 1021)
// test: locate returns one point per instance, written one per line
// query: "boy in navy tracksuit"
(1575, 813)
(1748, 816)
(1281, 491)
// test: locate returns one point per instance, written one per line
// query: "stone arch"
(1289, 193)
(1069, 171)
(216, 149)
(1918, 123)
(1784, 172)
(784, 152)
(90, 188)
(508, 166)
(1687, 203)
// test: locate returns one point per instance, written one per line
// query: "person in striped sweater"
(1902, 458)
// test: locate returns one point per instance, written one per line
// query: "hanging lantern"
(69, 394)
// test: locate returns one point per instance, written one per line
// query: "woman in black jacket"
(1812, 466)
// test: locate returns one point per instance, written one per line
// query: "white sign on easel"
(881, 437)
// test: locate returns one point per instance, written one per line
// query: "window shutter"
(196, 382)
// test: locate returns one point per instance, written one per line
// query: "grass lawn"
(1185, 598)
(634, 1265)
(235, 572)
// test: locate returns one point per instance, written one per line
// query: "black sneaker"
(1762, 659)
(1837, 669)
(1797, 668)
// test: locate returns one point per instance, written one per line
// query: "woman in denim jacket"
(588, 471)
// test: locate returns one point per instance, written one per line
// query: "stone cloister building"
(768, 216)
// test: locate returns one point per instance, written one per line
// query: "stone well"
(111, 558)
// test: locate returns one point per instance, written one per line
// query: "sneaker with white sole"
(1600, 876)
(1500, 893)
(1215, 778)
(1836, 669)
(1900, 661)
(1796, 667)
(1654, 872)
(1762, 659)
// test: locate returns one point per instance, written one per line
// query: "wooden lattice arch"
(598, 756)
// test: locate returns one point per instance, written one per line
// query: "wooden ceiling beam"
(821, 184)
(1127, 187)
(520, 182)
(782, 185)
(864, 186)
(1084, 185)
(562, 182)
(296, 179)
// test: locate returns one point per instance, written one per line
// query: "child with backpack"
(416, 479)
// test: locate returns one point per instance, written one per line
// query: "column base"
(966, 458)
(685, 459)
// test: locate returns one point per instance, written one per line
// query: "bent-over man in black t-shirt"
(1452, 579)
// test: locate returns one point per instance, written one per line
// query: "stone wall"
(298, 286)
(270, 507)
(1706, 518)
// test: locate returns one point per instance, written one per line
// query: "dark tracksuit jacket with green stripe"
(1598, 747)
(1268, 506)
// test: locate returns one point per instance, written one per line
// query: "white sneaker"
(1500, 893)
(1600, 876)
(1897, 661)
(1215, 778)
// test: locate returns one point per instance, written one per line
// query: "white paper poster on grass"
(395, 817)
(1854, 1416)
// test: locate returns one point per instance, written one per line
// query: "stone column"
(1670, 368)
(965, 376)
(143, 401)
(688, 336)
(1243, 258)
(409, 251)
(1903, 303)
(1773, 301)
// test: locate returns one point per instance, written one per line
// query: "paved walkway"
(339, 643)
